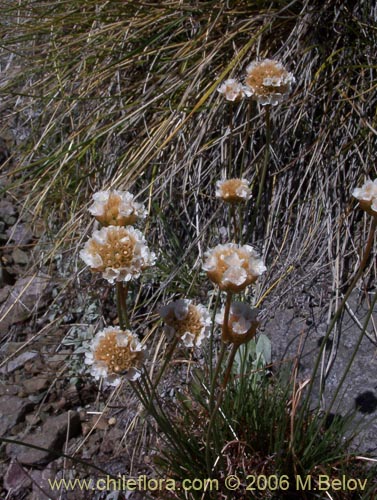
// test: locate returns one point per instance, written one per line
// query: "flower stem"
(232, 355)
(213, 410)
(225, 329)
(218, 404)
(230, 152)
(216, 374)
(233, 217)
(166, 362)
(153, 385)
(264, 170)
(247, 133)
(122, 292)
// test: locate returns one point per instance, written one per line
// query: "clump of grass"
(260, 432)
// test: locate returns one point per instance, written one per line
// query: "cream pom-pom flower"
(233, 267)
(119, 253)
(232, 90)
(367, 196)
(268, 81)
(114, 354)
(190, 322)
(242, 323)
(233, 190)
(116, 208)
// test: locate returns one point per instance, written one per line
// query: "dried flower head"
(233, 90)
(119, 253)
(367, 196)
(188, 321)
(233, 190)
(233, 267)
(116, 208)
(242, 323)
(115, 353)
(268, 81)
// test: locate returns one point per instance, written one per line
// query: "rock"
(35, 385)
(9, 389)
(24, 298)
(21, 233)
(51, 436)
(4, 151)
(20, 257)
(70, 398)
(16, 478)
(7, 212)
(57, 360)
(12, 411)
(112, 440)
(33, 419)
(10, 348)
(17, 362)
(41, 485)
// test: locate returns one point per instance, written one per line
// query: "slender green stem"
(232, 355)
(209, 430)
(122, 292)
(339, 311)
(264, 170)
(225, 329)
(230, 142)
(154, 384)
(247, 133)
(142, 391)
(233, 217)
(218, 404)
(168, 357)
(213, 410)
(211, 337)
(215, 375)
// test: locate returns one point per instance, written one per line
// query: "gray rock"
(12, 411)
(24, 298)
(35, 384)
(17, 362)
(21, 234)
(7, 212)
(16, 478)
(10, 348)
(51, 436)
(9, 389)
(41, 482)
(20, 257)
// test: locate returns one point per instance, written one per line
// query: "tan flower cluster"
(268, 81)
(232, 90)
(119, 253)
(189, 322)
(233, 190)
(242, 323)
(116, 208)
(115, 353)
(233, 267)
(367, 196)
